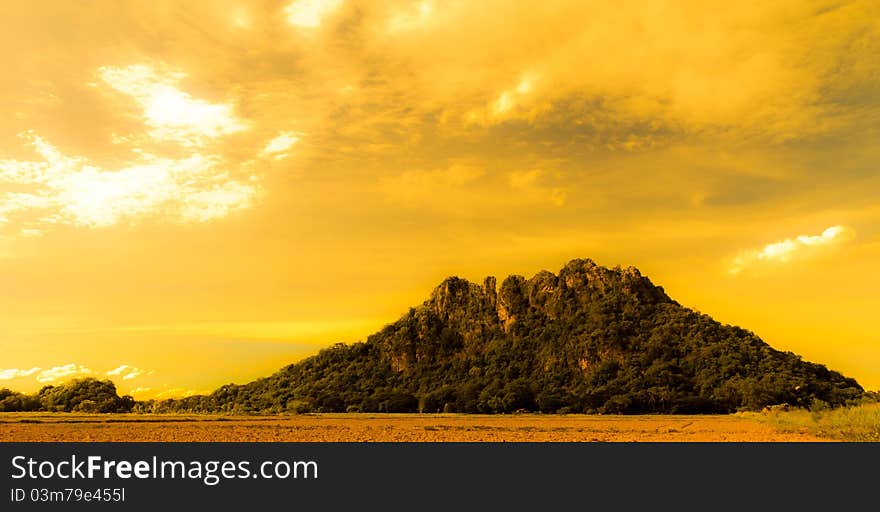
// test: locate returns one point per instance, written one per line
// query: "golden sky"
(196, 193)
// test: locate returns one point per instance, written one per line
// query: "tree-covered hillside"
(590, 339)
(79, 395)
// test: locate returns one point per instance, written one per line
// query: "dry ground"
(38, 427)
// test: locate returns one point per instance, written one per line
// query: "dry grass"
(398, 427)
(857, 423)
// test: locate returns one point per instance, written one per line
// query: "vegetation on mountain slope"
(591, 340)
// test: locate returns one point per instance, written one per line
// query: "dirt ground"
(40, 427)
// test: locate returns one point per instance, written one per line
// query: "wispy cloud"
(416, 16)
(178, 392)
(172, 114)
(63, 372)
(58, 373)
(72, 190)
(140, 391)
(15, 373)
(277, 147)
(310, 13)
(515, 102)
(127, 372)
(786, 250)
(412, 188)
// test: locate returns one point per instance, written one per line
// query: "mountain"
(590, 339)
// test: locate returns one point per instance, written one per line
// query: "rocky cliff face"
(580, 281)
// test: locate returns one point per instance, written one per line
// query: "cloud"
(118, 370)
(647, 61)
(63, 372)
(178, 392)
(14, 373)
(277, 147)
(217, 201)
(786, 250)
(534, 183)
(72, 190)
(411, 18)
(172, 114)
(127, 372)
(140, 390)
(412, 188)
(518, 102)
(310, 13)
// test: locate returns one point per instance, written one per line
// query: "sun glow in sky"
(194, 193)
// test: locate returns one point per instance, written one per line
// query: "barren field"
(41, 427)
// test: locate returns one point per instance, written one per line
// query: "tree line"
(79, 395)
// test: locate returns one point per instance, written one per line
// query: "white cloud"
(15, 373)
(63, 372)
(517, 102)
(172, 114)
(310, 13)
(784, 251)
(68, 189)
(278, 146)
(58, 188)
(410, 19)
(127, 372)
(218, 201)
(178, 392)
(118, 370)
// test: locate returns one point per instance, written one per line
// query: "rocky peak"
(512, 300)
(586, 278)
(582, 280)
(457, 299)
(490, 289)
